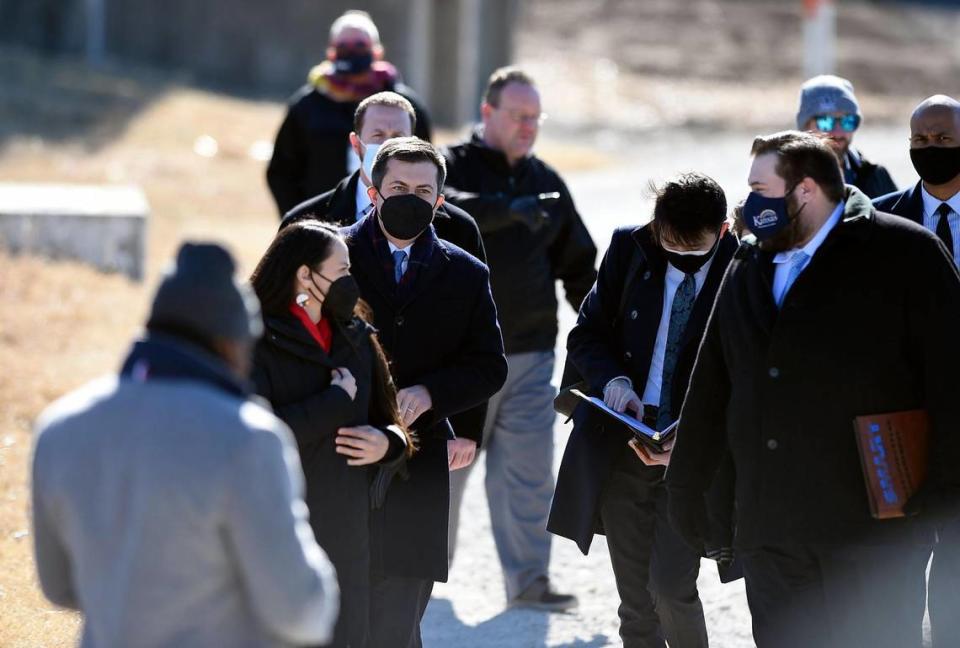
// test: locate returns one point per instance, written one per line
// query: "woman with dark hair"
(323, 371)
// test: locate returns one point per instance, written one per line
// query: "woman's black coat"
(293, 372)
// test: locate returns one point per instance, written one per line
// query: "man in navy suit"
(437, 322)
(935, 203)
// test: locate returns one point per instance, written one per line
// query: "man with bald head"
(935, 203)
(935, 152)
(313, 149)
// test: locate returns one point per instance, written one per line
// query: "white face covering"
(369, 155)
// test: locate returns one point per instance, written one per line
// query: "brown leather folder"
(893, 454)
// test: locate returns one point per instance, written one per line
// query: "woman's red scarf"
(321, 331)
(354, 87)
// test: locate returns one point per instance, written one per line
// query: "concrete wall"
(444, 48)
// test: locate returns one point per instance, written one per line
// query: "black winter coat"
(870, 326)
(524, 265)
(605, 344)
(870, 178)
(310, 152)
(444, 335)
(293, 372)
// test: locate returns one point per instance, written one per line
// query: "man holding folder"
(838, 312)
(635, 343)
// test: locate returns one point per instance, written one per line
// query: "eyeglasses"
(518, 117)
(848, 123)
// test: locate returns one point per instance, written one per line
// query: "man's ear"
(440, 201)
(486, 110)
(356, 144)
(331, 52)
(378, 52)
(724, 228)
(372, 192)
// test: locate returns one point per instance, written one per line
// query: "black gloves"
(529, 210)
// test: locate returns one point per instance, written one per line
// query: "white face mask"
(369, 155)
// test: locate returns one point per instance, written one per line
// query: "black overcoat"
(870, 326)
(442, 334)
(605, 344)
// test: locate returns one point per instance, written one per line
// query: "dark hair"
(501, 78)
(688, 206)
(739, 226)
(309, 243)
(388, 99)
(407, 149)
(803, 155)
(305, 242)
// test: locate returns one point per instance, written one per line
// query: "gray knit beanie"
(200, 296)
(826, 94)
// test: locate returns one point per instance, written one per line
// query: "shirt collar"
(394, 248)
(814, 244)
(930, 204)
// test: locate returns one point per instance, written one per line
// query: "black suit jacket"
(339, 207)
(605, 344)
(907, 203)
(868, 327)
(443, 334)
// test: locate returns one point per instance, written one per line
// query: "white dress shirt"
(651, 392)
(931, 218)
(782, 260)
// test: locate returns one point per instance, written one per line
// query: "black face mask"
(341, 298)
(352, 61)
(690, 263)
(405, 217)
(936, 165)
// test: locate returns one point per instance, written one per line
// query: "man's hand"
(460, 453)
(650, 457)
(412, 402)
(363, 444)
(619, 396)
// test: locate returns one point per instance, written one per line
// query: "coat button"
(774, 372)
(398, 321)
(646, 275)
(772, 444)
(633, 314)
(628, 355)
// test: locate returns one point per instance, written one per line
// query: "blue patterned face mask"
(766, 217)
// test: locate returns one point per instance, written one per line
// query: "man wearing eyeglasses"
(533, 236)
(829, 107)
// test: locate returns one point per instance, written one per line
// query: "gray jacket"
(170, 513)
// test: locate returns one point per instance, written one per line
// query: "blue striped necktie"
(679, 316)
(398, 258)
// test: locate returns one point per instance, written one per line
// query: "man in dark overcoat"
(934, 202)
(838, 312)
(635, 342)
(438, 325)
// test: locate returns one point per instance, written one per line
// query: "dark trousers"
(944, 588)
(656, 573)
(836, 596)
(396, 608)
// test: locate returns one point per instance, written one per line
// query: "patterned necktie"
(797, 264)
(679, 316)
(943, 227)
(398, 258)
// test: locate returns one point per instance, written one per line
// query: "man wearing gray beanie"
(829, 107)
(167, 503)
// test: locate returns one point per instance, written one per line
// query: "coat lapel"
(365, 264)
(704, 302)
(439, 257)
(343, 205)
